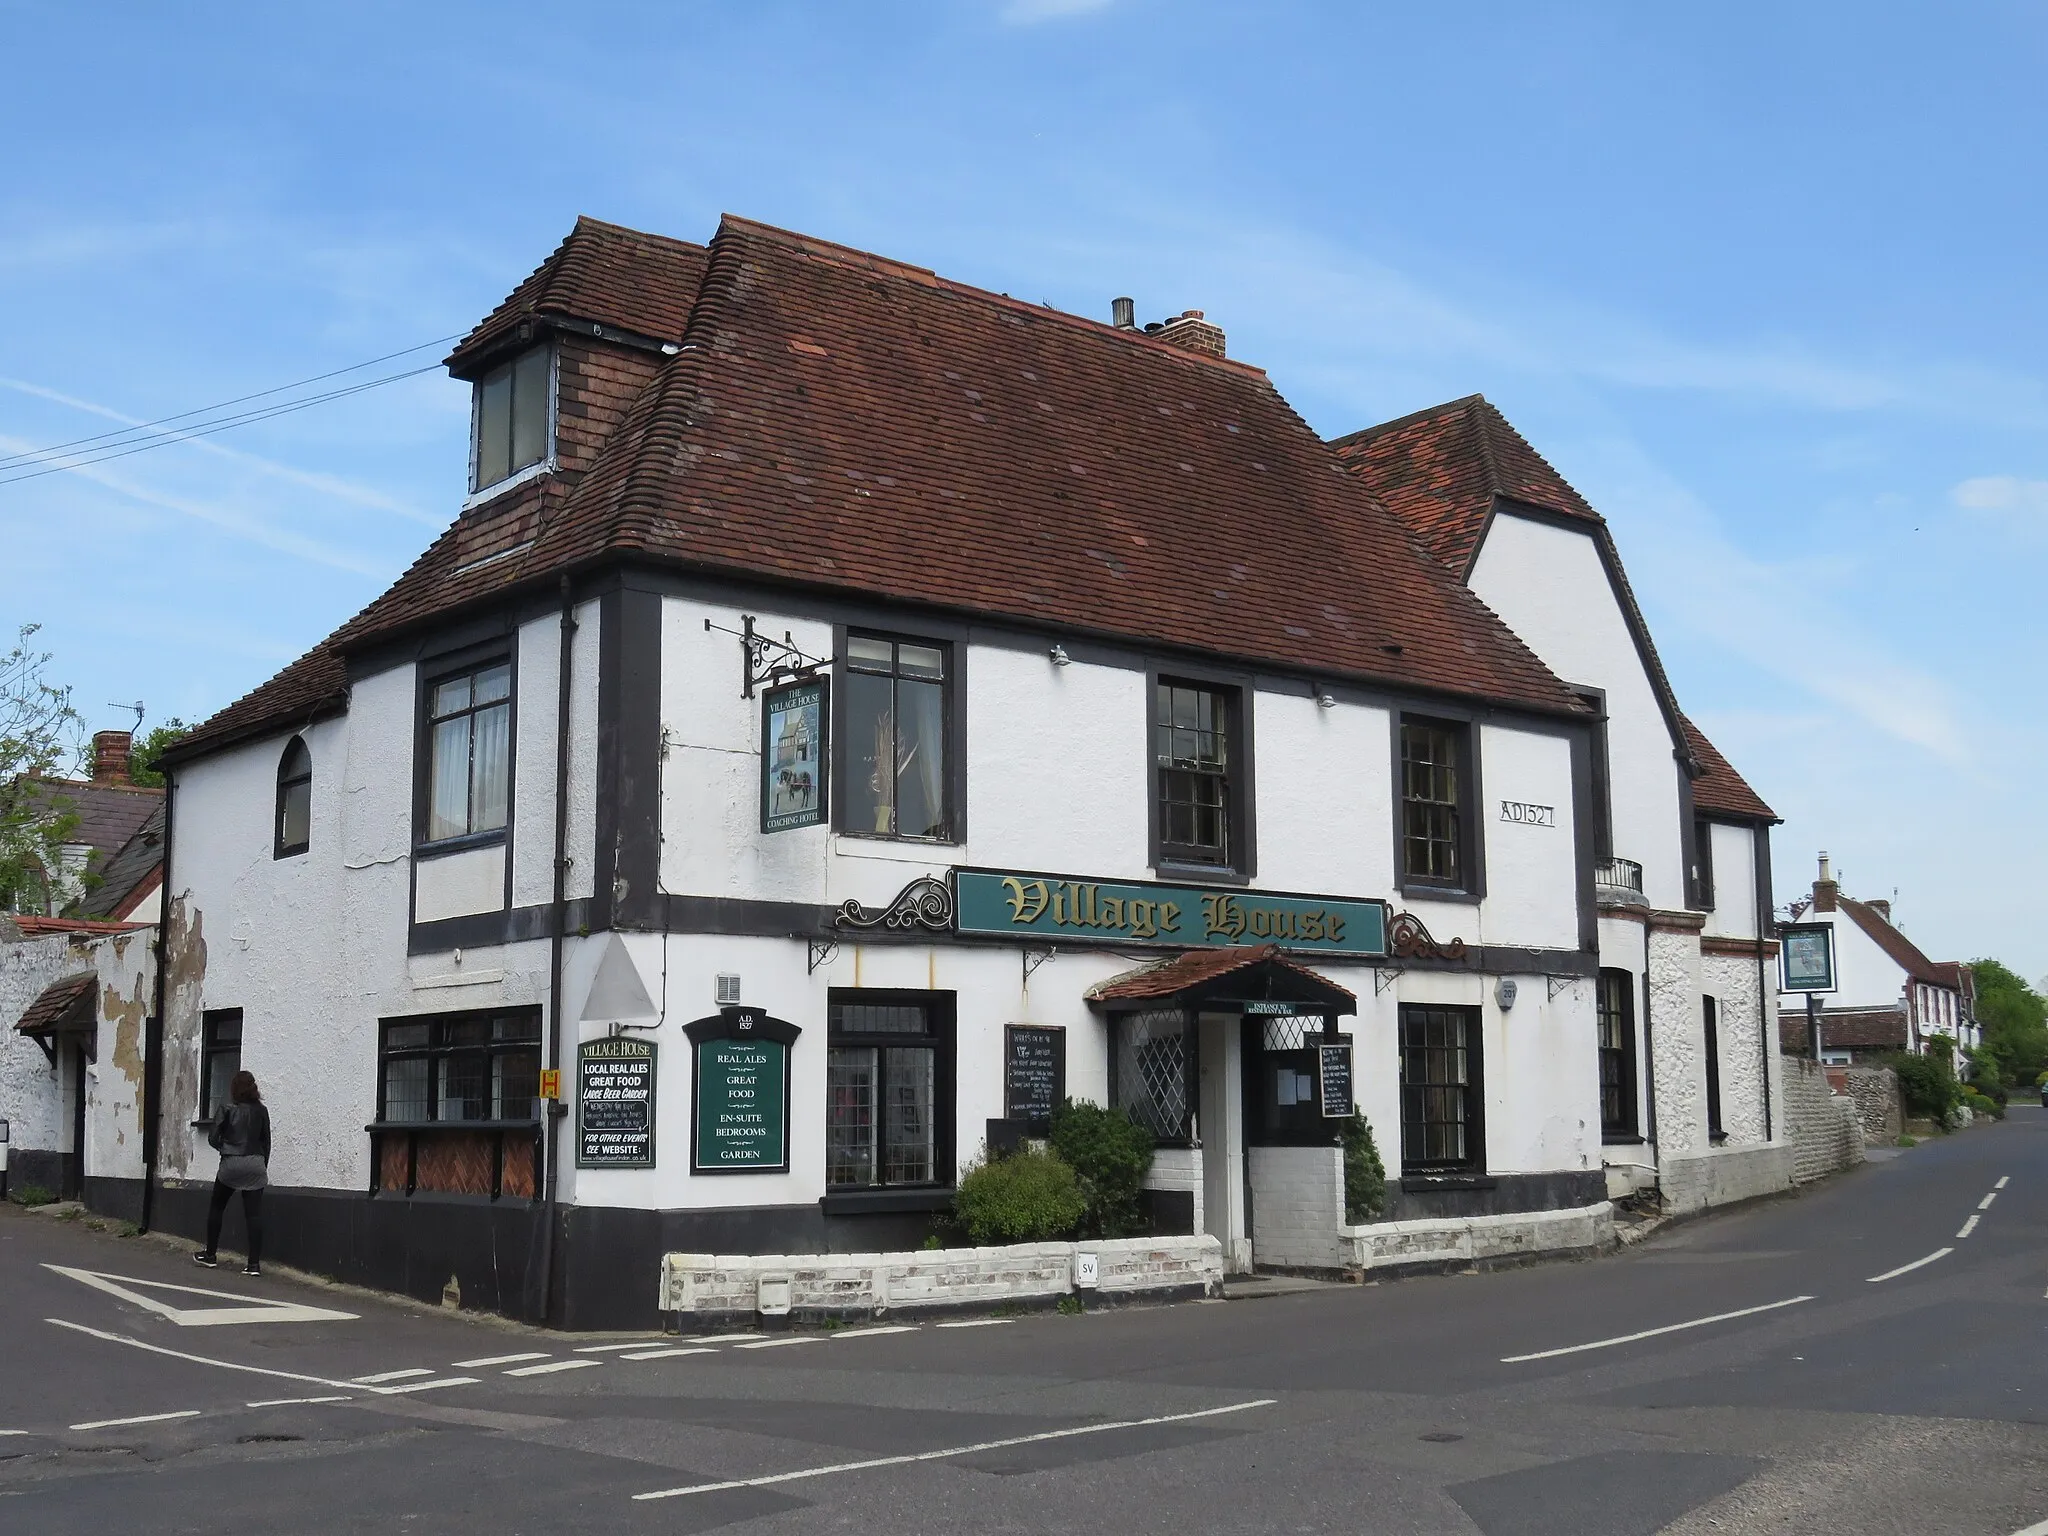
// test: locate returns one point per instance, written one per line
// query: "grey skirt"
(246, 1172)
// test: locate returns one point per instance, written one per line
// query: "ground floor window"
(1441, 1088)
(1615, 1006)
(888, 1089)
(1152, 1071)
(457, 1103)
(1715, 1130)
(220, 1052)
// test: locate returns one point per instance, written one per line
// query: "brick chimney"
(110, 756)
(1882, 908)
(1190, 331)
(1824, 889)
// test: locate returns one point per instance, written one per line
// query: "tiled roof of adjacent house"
(1903, 951)
(130, 872)
(66, 1002)
(108, 814)
(605, 273)
(31, 927)
(842, 422)
(1843, 1028)
(1169, 978)
(1720, 790)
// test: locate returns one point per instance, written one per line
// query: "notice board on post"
(1335, 1064)
(739, 1105)
(615, 1103)
(1034, 1074)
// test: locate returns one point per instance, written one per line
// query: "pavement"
(1862, 1357)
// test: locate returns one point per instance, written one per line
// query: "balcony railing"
(1620, 875)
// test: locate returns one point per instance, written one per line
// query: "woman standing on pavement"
(241, 1135)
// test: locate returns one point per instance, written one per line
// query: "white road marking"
(792, 1338)
(405, 1375)
(249, 1309)
(1906, 1269)
(293, 1402)
(471, 1365)
(978, 1322)
(1985, 1203)
(553, 1366)
(721, 1338)
(140, 1418)
(428, 1386)
(1651, 1333)
(958, 1450)
(2034, 1530)
(4, 1432)
(869, 1333)
(607, 1349)
(2003, 1181)
(667, 1354)
(253, 1370)
(1969, 1226)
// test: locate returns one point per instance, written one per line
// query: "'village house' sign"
(999, 904)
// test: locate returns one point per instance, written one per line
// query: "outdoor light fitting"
(1059, 655)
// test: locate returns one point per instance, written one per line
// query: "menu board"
(1034, 1073)
(615, 1104)
(1335, 1061)
(739, 1119)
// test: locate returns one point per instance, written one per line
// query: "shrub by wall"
(1365, 1176)
(1110, 1154)
(1927, 1083)
(1030, 1196)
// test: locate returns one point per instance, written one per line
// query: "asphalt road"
(1819, 1399)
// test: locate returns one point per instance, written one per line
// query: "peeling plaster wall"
(31, 1093)
(126, 970)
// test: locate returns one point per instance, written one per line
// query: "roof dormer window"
(513, 419)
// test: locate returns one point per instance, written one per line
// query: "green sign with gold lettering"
(999, 904)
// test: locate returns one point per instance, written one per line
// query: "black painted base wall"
(42, 1170)
(1504, 1194)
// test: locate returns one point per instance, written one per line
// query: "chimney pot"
(1192, 333)
(1824, 888)
(110, 756)
(1123, 314)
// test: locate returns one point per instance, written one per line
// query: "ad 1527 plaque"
(615, 1104)
(1034, 1074)
(739, 1110)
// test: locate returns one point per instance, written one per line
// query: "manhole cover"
(265, 1439)
(1441, 1437)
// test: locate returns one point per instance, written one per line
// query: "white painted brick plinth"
(1461, 1240)
(1700, 1181)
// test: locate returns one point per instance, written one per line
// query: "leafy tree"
(40, 736)
(2015, 1022)
(142, 757)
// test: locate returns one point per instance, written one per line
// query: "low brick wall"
(725, 1287)
(1297, 1207)
(1478, 1240)
(1824, 1129)
(1699, 1181)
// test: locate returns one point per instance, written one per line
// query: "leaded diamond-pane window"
(1154, 1066)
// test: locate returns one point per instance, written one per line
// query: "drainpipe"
(153, 1030)
(1650, 1053)
(1763, 1038)
(555, 1109)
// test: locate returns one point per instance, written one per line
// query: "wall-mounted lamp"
(1325, 699)
(1059, 655)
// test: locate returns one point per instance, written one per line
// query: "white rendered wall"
(1678, 1040)
(533, 799)
(31, 1091)
(1746, 1051)
(1734, 913)
(1548, 584)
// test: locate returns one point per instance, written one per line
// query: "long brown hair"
(242, 1089)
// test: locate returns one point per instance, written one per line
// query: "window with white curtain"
(469, 745)
(895, 781)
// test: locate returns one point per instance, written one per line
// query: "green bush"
(1027, 1197)
(1927, 1084)
(33, 1194)
(1111, 1154)
(1983, 1104)
(1365, 1176)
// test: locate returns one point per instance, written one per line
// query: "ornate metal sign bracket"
(1384, 976)
(924, 904)
(765, 662)
(1033, 959)
(1410, 940)
(1557, 984)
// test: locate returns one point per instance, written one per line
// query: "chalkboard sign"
(739, 1113)
(1034, 1074)
(1335, 1061)
(615, 1104)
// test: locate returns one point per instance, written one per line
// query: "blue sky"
(1764, 282)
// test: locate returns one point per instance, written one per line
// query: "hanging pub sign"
(739, 1111)
(1806, 957)
(1335, 1062)
(990, 903)
(1034, 1074)
(793, 725)
(615, 1103)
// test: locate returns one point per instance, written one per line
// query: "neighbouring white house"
(1690, 1084)
(1889, 996)
(854, 711)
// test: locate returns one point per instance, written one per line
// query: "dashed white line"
(383, 1376)
(957, 1450)
(429, 1386)
(869, 1333)
(6, 1432)
(790, 1338)
(2004, 1180)
(140, 1418)
(606, 1349)
(721, 1338)
(477, 1365)
(1651, 1333)
(552, 1366)
(1985, 1203)
(1969, 1226)
(978, 1322)
(1906, 1269)
(667, 1354)
(2034, 1530)
(293, 1402)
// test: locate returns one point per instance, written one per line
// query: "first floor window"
(888, 1094)
(1440, 1090)
(894, 741)
(469, 745)
(1703, 863)
(1191, 744)
(1715, 1130)
(1432, 802)
(294, 800)
(220, 1052)
(1616, 1018)
(460, 1067)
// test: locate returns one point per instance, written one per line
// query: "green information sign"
(740, 1111)
(1000, 904)
(1807, 957)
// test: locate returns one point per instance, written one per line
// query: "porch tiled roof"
(68, 1002)
(1169, 978)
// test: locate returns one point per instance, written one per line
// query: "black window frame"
(1702, 871)
(940, 1038)
(1710, 1027)
(434, 673)
(1469, 884)
(439, 1049)
(1620, 1086)
(952, 732)
(508, 369)
(1602, 772)
(1237, 692)
(1473, 1090)
(213, 1024)
(279, 848)
(1225, 710)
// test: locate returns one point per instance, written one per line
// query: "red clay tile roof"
(69, 1002)
(1841, 1028)
(311, 688)
(1720, 790)
(131, 870)
(1169, 978)
(32, 927)
(1903, 952)
(619, 277)
(841, 421)
(108, 814)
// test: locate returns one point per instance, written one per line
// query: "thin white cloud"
(2002, 493)
(1027, 13)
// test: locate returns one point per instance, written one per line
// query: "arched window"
(294, 800)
